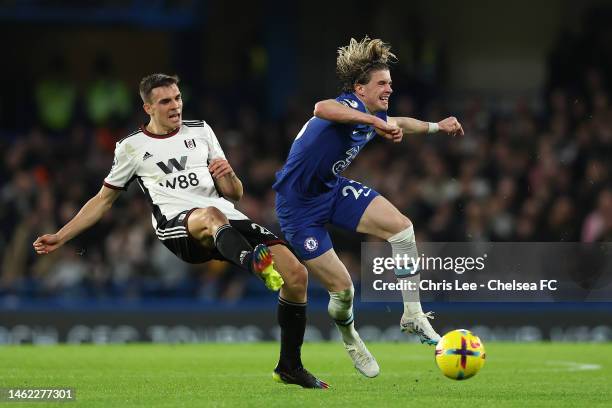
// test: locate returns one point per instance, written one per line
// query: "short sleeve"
(214, 148)
(123, 169)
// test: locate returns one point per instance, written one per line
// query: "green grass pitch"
(230, 375)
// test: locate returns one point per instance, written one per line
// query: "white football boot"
(364, 361)
(418, 324)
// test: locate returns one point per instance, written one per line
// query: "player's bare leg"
(383, 220)
(293, 272)
(333, 275)
(206, 223)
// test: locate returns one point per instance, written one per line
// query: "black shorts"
(175, 235)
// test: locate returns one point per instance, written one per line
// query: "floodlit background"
(529, 80)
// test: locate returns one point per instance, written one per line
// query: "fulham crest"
(190, 143)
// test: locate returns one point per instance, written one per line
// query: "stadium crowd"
(535, 172)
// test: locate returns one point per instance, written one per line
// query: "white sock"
(340, 308)
(403, 243)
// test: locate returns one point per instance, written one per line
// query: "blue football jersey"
(321, 151)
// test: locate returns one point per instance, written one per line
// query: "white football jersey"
(172, 170)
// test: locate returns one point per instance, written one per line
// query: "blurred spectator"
(598, 224)
(56, 96)
(108, 101)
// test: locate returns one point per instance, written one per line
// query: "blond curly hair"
(359, 59)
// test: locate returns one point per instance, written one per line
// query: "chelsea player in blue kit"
(311, 192)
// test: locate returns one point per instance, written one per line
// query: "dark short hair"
(150, 82)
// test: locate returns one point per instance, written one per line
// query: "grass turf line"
(230, 375)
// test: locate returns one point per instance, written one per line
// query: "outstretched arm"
(89, 214)
(334, 111)
(449, 125)
(226, 181)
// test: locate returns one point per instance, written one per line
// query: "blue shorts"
(303, 220)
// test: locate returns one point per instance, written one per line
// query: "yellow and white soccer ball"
(460, 354)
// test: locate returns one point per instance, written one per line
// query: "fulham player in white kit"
(181, 168)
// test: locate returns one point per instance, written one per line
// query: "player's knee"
(296, 279)
(203, 222)
(401, 223)
(213, 215)
(339, 284)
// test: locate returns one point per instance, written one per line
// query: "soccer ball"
(460, 354)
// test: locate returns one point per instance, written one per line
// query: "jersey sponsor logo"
(173, 164)
(146, 156)
(311, 244)
(182, 181)
(341, 165)
(190, 143)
